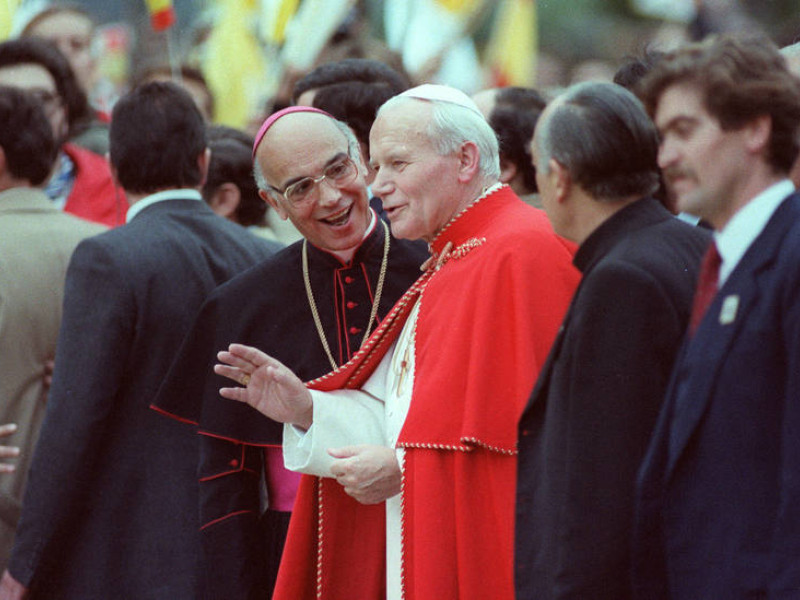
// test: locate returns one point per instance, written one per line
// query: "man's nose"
(667, 154)
(328, 192)
(379, 185)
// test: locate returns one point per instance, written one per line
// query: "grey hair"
(451, 125)
(602, 135)
(353, 148)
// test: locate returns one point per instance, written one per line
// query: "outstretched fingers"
(249, 355)
(233, 373)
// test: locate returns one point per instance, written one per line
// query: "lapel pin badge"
(727, 314)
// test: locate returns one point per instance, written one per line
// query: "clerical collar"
(179, 194)
(347, 255)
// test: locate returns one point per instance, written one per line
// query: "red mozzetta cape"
(487, 317)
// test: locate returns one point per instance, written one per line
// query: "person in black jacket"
(587, 424)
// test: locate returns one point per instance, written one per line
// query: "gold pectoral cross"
(404, 367)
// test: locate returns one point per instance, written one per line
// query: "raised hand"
(370, 474)
(268, 385)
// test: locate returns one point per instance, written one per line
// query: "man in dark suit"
(587, 424)
(718, 496)
(110, 509)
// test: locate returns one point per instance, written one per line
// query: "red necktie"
(706, 286)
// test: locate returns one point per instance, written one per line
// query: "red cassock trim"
(172, 415)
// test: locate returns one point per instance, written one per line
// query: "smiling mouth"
(391, 211)
(339, 218)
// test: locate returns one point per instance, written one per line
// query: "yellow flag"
(7, 10)
(275, 16)
(234, 66)
(511, 51)
(460, 6)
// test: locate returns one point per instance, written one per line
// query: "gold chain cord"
(376, 302)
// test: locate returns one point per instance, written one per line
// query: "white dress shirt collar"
(179, 194)
(747, 224)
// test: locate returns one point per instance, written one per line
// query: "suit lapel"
(706, 352)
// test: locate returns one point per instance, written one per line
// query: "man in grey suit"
(36, 241)
(110, 509)
(587, 424)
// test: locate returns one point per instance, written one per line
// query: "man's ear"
(113, 170)
(277, 206)
(508, 170)
(203, 162)
(563, 180)
(226, 200)
(469, 158)
(758, 133)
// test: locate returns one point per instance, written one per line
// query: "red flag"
(162, 14)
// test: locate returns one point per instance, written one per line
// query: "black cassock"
(267, 307)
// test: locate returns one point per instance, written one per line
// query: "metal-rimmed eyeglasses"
(340, 172)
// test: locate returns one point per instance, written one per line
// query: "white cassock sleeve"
(341, 418)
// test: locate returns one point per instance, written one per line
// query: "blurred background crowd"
(241, 58)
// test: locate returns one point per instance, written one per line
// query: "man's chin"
(691, 202)
(398, 230)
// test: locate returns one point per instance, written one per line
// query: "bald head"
(294, 130)
(313, 152)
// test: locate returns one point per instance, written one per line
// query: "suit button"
(234, 463)
(351, 305)
(355, 330)
(349, 279)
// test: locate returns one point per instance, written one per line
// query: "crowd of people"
(400, 342)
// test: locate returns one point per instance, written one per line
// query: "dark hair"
(231, 162)
(513, 118)
(156, 135)
(601, 134)
(352, 90)
(634, 68)
(164, 72)
(41, 52)
(26, 136)
(740, 78)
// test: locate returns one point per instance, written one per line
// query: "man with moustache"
(409, 449)
(718, 505)
(312, 305)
